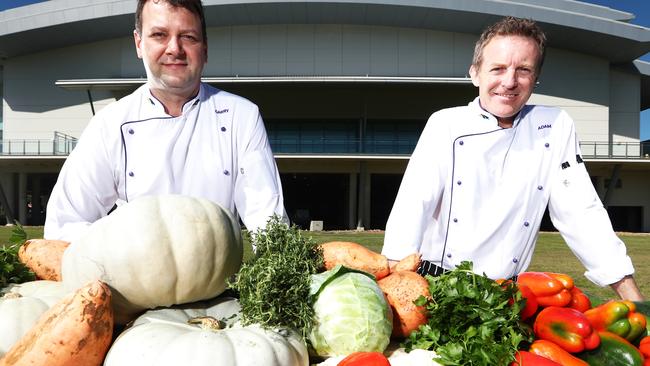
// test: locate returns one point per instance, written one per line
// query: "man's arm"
(258, 189)
(85, 189)
(627, 289)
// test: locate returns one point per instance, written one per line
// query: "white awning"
(130, 83)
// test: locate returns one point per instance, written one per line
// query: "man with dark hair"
(482, 175)
(173, 135)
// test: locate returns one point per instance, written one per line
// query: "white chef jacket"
(216, 149)
(475, 191)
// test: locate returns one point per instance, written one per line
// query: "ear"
(138, 43)
(473, 73)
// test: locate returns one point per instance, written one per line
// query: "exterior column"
(616, 174)
(363, 211)
(5, 182)
(37, 207)
(361, 206)
(352, 200)
(22, 198)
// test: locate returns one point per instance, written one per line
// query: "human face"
(506, 77)
(172, 49)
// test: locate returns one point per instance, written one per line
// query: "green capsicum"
(619, 317)
(568, 328)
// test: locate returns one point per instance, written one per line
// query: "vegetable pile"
(158, 269)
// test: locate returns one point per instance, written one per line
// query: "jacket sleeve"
(258, 190)
(578, 214)
(419, 193)
(85, 190)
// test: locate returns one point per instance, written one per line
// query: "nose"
(174, 47)
(509, 79)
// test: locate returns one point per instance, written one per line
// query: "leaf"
(11, 269)
(18, 234)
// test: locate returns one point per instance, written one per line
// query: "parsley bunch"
(274, 285)
(11, 269)
(472, 320)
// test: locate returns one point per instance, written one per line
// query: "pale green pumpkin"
(21, 305)
(165, 337)
(157, 251)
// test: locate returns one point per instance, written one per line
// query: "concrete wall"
(625, 101)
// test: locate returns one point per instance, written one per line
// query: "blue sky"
(641, 8)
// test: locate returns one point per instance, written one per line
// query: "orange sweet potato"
(75, 331)
(43, 257)
(408, 263)
(402, 288)
(356, 256)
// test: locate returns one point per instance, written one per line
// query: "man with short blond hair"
(481, 176)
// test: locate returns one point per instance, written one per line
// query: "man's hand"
(627, 289)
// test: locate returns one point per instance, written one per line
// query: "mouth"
(506, 95)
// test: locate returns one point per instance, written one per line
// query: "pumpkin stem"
(207, 323)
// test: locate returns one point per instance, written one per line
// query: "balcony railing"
(343, 146)
(616, 150)
(62, 145)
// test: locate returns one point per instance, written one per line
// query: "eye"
(190, 38)
(157, 35)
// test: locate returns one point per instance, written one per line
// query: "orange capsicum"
(619, 317)
(549, 288)
(525, 358)
(552, 351)
(566, 327)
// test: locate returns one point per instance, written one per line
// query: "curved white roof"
(572, 25)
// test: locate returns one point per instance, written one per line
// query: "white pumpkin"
(165, 337)
(157, 251)
(21, 305)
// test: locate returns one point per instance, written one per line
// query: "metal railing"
(60, 145)
(343, 146)
(615, 150)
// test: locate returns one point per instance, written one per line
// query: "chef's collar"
(159, 107)
(476, 103)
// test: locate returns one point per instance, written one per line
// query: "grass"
(551, 254)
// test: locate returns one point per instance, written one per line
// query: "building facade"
(344, 87)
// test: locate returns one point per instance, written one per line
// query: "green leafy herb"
(274, 285)
(11, 269)
(472, 320)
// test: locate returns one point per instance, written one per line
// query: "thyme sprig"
(274, 284)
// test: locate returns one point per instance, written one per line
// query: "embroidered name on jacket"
(541, 127)
(219, 111)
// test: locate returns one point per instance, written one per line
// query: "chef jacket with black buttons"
(216, 149)
(474, 191)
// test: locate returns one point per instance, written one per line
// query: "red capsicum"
(619, 317)
(549, 290)
(364, 359)
(579, 300)
(644, 346)
(566, 327)
(531, 302)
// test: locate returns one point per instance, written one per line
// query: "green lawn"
(551, 255)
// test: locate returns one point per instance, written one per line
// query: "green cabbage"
(351, 312)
